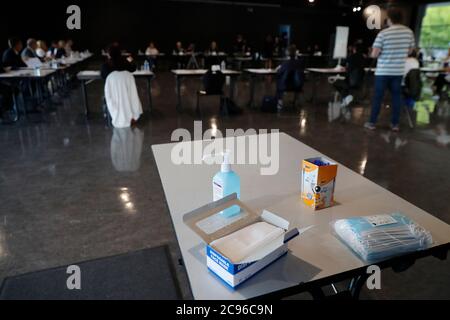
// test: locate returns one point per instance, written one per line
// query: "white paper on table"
(33, 63)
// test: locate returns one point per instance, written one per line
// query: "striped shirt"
(395, 43)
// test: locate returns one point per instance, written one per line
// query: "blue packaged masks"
(375, 238)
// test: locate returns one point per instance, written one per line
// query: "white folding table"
(87, 76)
(254, 73)
(316, 257)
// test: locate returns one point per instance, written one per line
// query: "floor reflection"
(126, 149)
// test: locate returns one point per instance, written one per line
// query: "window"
(435, 32)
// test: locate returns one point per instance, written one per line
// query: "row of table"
(39, 77)
(88, 76)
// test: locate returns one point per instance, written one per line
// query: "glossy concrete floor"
(72, 189)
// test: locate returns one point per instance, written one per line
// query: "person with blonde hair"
(151, 50)
(41, 50)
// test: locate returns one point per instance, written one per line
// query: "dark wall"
(133, 23)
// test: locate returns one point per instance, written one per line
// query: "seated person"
(277, 46)
(52, 50)
(68, 47)
(212, 56)
(213, 49)
(11, 57)
(412, 82)
(444, 77)
(290, 75)
(6, 100)
(151, 54)
(116, 62)
(41, 50)
(190, 49)
(411, 62)
(30, 51)
(151, 50)
(354, 75)
(317, 52)
(60, 51)
(240, 47)
(178, 48)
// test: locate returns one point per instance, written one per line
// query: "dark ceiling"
(322, 4)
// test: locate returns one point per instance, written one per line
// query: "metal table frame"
(196, 73)
(85, 79)
(255, 73)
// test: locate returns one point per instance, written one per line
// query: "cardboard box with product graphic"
(318, 182)
(230, 253)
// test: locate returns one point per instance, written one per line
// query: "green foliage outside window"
(435, 31)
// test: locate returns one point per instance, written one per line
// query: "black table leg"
(314, 88)
(252, 91)
(149, 88)
(232, 87)
(356, 285)
(178, 89)
(85, 99)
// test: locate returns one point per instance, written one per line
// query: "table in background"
(240, 60)
(13, 78)
(423, 70)
(88, 76)
(254, 73)
(319, 72)
(316, 258)
(193, 73)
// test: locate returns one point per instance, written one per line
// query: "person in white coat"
(122, 99)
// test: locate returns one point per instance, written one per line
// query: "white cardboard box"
(209, 225)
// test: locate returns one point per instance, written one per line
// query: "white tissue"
(244, 242)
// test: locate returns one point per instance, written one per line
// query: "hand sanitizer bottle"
(227, 182)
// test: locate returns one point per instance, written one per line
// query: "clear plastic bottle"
(226, 182)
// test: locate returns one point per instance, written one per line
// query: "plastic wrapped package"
(379, 237)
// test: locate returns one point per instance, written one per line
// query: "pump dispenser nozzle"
(224, 157)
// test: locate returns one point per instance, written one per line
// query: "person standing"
(391, 47)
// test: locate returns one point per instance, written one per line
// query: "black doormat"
(144, 275)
